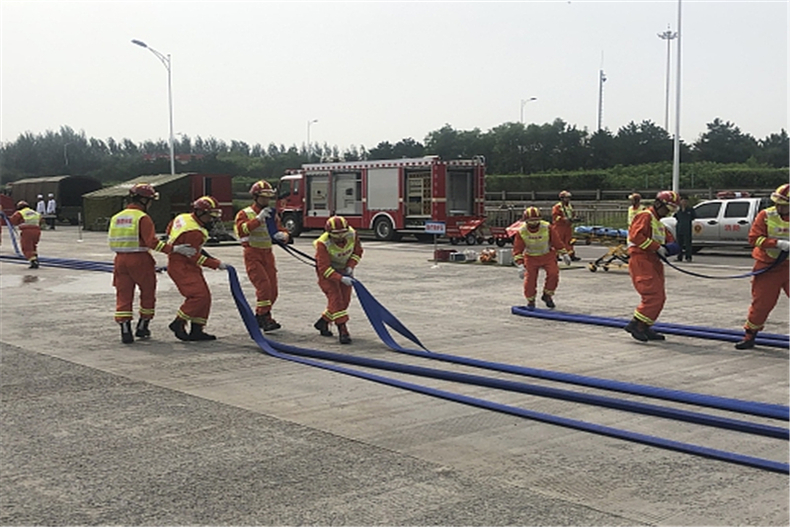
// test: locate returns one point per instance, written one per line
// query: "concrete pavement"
(164, 432)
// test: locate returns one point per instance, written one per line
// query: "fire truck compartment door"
(318, 194)
(460, 193)
(346, 194)
(383, 191)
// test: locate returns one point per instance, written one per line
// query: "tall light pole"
(669, 36)
(166, 62)
(676, 154)
(523, 102)
(309, 147)
(601, 80)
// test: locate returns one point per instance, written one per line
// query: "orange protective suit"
(186, 272)
(137, 269)
(766, 286)
(332, 258)
(562, 225)
(543, 257)
(29, 231)
(258, 257)
(645, 236)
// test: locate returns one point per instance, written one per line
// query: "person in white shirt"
(52, 208)
(41, 205)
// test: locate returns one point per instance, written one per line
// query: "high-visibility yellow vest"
(259, 237)
(633, 211)
(536, 243)
(185, 223)
(658, 234)
(777, 228)
(124, 233)
(566, 210)
(30, 217)
(339, 256)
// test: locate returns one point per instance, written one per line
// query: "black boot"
(197, 333)
(747, 342)
(531, 305)
(142, 328)
(549, 301)
(323, 326)
(345, 338)
(652, 334)
(126, 332)
(179, 327)
(266, 322)
(637, 330)
(33, 263)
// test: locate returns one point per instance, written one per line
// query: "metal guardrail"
(603, 195)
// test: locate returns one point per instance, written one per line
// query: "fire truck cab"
(390, 197)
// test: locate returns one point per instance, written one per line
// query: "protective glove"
(521, 271)
(185, 249)
(783, 245)
(350, 272)
(662, 251)
(566, 258)
(265, 213)
(347, 280)
(280, 236)
(673, 248)
(222, 266)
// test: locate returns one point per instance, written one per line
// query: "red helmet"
(779, 196)
(336, 225)
(262, 188)
(207, 204)
(22, 204)
(670, 198)
(565, 194)
(144, 190)
(531, 214)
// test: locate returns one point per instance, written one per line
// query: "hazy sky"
(384, 71)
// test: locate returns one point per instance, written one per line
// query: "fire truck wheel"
(470, 239)
(292, 225)
(383, 229)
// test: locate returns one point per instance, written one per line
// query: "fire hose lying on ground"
(380, 318)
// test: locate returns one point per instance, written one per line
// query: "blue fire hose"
(308, 357)
(772, 340)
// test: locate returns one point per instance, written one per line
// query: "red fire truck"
(390, 197)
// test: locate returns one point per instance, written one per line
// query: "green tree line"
(509, 149)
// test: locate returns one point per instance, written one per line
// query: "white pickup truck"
(722, 222)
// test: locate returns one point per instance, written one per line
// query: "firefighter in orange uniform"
(647, 239)
(192, 229)
(562, 220)
(132, 236)
(769, 237)
(29, 223)
(251, 229)
(536, 247)
(337, 253)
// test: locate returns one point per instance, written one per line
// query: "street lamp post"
(669, 36)
(165, 59)
(523, 102)
(309, 147)
(676, 149)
